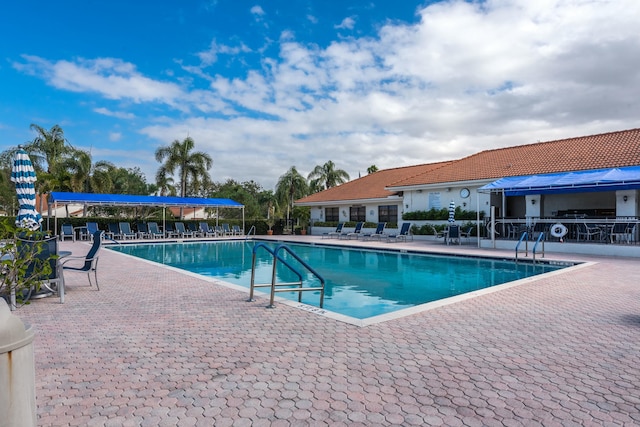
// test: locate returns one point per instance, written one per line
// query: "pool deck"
(157, 347)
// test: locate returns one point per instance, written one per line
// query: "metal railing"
(251, 232)
(541, 238)
(525, 238)
(284, 286)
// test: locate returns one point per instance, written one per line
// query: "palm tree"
(192, 167)
(165, 183)
(48, 147)
(328, 176)
(371, 169)
(86, 176)
(291, 186)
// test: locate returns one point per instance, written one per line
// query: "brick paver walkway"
(155, 347)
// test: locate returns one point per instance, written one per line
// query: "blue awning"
(568, 182)
(134, 200)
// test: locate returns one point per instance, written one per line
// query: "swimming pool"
(359, 283)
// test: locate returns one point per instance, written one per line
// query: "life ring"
(559, 230)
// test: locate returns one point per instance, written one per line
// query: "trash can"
(17, 371)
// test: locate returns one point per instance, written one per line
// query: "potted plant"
(21, 269)
(271, 221)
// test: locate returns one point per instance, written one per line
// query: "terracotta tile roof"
(371, 186)
(608, 150)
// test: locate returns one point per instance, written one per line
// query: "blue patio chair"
(142, 230)
(170, 231)
(42, 251)
(125, 231)
(336, 233)
(453, 234)
(355, 233)
(154, 230)
(182, 231)
(403, 234)
(227, 230)
(66, 232)
(91, 228)
(206, 230)
(236, 230)
(195, 229)
(376, 234)
(87, 264)
(114, 231)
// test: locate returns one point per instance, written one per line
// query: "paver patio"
(156, 347)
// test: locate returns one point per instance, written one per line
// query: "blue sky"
(264, 85)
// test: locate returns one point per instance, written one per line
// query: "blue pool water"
(359, 283)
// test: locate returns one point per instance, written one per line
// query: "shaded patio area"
(159, 347)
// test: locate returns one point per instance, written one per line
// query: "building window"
(357, 213)
(332, 214)
(388, 213)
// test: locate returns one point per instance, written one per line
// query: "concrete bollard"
(17, 371)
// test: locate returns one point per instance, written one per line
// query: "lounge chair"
(219, 230)
(355, 233)
(114, 231)
(91, 228)
(206, 230)
(154, 230)
(142, 230)
(403, 234)
(67, 232)
(453, 234)
(376, 234)
(182, 231)
(125, 231)
(226, 230)
(194, 229)
(87, 263)
(169, 231)
(335, 233)
(236, 230)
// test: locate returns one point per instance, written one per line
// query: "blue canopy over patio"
(93, 199)
(568, 182)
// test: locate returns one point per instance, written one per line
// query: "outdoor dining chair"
(85, 264)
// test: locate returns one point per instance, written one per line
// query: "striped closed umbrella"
(24, 176)
(452, 212)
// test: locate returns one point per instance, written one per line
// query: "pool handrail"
(253, 269)
(300, 289)
(249, 233)
(540, 239)
(274, 285)
(525, 237)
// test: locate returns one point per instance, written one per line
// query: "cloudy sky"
(264, 85)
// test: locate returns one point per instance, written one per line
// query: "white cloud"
(115, 136)
(347, 24)
(116, 114)
(112, 78)
(469, 76)
(257, 10)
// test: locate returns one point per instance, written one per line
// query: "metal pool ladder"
(278, 287)
(251, 232)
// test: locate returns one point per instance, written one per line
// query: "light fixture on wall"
(406, 206)
(625, 198)
(344, 213)
(464, 204)
(533, 201)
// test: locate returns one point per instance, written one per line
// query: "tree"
(192, 167)
(371, 169)
(48, 147)
(291, 186)
(85, 176)
(165, 183)
(327, 176)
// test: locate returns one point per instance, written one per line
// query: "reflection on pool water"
(359, 283)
